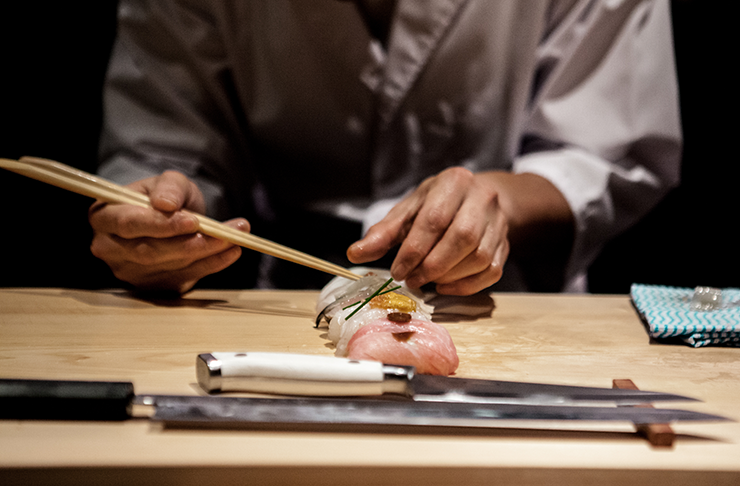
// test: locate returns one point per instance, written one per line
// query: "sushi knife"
(108, 401)
(312, 375)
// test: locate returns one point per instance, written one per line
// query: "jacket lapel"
(418, 28)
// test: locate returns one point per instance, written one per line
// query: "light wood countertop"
(567, 339)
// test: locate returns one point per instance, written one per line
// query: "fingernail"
(167, 204)
(399, 272)
(354, 251)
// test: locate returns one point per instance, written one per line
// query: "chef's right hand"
(160, 248)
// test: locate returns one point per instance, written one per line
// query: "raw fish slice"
(361, 289)
(332, 301)
(376, 301)
(338, 306)
(340, 287)
(341, 331)
(423, 344)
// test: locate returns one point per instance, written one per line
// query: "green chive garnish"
(351, 305)
(382, 293)
(390, 290)
(377, 292)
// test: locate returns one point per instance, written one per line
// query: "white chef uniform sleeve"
(604, 126)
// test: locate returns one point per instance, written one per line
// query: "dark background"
(691, 238)
(53, 57)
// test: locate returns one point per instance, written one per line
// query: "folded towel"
(669, 313)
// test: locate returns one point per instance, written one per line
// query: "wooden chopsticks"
(81, 182)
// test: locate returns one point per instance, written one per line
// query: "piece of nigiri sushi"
(340, 292)
(340, 288)
(374, 301)
(400, 338)
(346, 320)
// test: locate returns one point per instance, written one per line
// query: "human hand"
(160, 248)
(452, 231)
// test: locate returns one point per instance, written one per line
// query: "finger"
(493, 245)
(387, 233)
(434, 217)
(379, 239)
(183, 279)
(239, 223)
(472, 261)
(482, 280)
(467, 246)
(160, 254)
(135, 260)
(135, 222)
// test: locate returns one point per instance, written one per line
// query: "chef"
(467, 142)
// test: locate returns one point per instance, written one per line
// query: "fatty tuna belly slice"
(422, 344)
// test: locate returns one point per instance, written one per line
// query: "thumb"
(172, 191)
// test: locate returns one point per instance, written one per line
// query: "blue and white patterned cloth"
(668, 314)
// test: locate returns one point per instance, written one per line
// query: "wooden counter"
(581, 340)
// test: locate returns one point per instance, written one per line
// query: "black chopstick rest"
(65, 400)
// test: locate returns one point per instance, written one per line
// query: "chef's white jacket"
(289, 105)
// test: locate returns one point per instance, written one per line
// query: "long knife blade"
(441, 388)
(309, 375)
(81, 400)
(244, 412)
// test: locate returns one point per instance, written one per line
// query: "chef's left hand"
(452, 231)
(455, 229)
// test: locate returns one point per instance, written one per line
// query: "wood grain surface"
(568, 339)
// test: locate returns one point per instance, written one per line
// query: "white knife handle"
(299, 374)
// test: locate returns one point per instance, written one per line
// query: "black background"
(53, 57)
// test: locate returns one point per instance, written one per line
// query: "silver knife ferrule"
(397, 379)
(208, 372)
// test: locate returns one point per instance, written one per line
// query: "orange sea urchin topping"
(395, 301)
